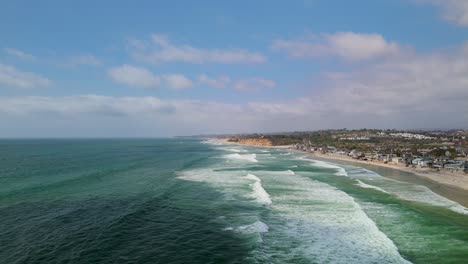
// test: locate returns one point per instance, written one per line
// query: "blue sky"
(85, 68)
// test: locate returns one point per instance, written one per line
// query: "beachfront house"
(457, 166)
(331, 149)
(355, 154)
(425, 162)
(369, 156)
(415, 161)
(438, 165)
(388, 157)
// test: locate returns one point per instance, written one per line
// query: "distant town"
(438, 150)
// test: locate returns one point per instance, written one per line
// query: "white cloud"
(220, 82)
(177, 81)
(84, 60)
(161, 50)
(416, 91)
(345, 45)
(141, 77)
(20, 54)
(422, 90)
(253, 84)
(455, 11)
(12, 77)
(134, 76)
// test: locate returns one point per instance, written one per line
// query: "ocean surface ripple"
(193, 201)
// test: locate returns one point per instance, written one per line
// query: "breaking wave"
(259, 192)
(246, 157)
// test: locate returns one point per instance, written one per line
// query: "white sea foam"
(214, 141)
(322, 164)
(341, 172)
(246, 157)
(259, 192)
(233, 150)
(407, 191)
(229, 179)
(290, 172)
(368, 186)
(312, 219)
(257, 227)
(330, 225)
(419, 193)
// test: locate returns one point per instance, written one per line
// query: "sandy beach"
(453, 186)
(450, 185)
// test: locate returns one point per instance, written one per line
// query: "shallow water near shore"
(452, 193)
(190, 201)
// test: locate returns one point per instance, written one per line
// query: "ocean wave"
(419, 193)
(322, 164)
(228, 180)
(341, 172)
(368, 186)
(257, 227)
(331, 225)
(247, 157)
(406, 191)
(214, 141)
(259, 192)
(231, 149)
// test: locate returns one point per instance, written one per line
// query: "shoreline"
(449, 185)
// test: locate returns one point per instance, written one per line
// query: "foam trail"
(247, 157)
(341, 172)
(259, 194)
(233, 150)
(214, 141)
(257, 227)
(368, 186)
(322, 164)
(419, 193)
(290, 172)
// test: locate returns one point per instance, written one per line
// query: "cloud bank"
(134, 76)
(161, 50)
(20, 54)
(14, 78)
(344, 45)
(455, 11)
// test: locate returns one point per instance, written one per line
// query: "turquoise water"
(188, 201)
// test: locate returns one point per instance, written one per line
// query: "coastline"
(450, 185)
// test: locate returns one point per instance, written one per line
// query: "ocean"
(199, 201)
